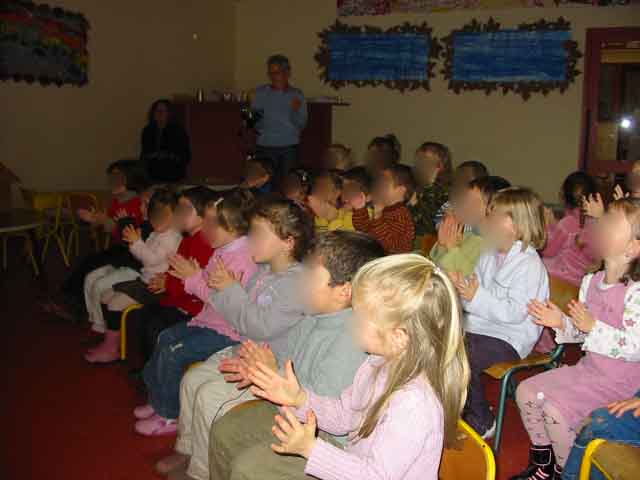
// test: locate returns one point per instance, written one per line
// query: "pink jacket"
(569, 251)
(237, 258)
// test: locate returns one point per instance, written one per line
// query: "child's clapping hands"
(221, 277)
(295, 438)
(466, 287)
(131, 234)
(182, 268)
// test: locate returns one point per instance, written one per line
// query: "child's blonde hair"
(408, 291)
(526, 210)
(631, 209)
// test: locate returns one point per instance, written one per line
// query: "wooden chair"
(472, 459)
(561, 294)
(616, 461)
(123, 329)
(49, 207)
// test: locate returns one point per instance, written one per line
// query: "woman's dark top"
(165, 152)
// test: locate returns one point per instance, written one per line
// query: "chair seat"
(620, 461)
(499, 370)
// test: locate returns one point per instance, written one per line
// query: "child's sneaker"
(143, 412)
(156, 426)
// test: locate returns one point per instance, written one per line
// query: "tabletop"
(18, 220)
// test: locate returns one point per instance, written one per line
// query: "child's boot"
(108, 351)
(541, 464)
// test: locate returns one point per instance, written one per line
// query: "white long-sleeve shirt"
(154, 253)
(507, 285)
(621, 343)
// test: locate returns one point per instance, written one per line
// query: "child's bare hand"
(268, 384)
(581, 317)
(618, 193)
(593, 206)
(158, 283)
(450, 233)
(467, 287)
(620, 408)
(358, 201)
(120, 214)
(131, 234)
(221, 277)
(182, 268)
(295, 438)
(235, 369)
(253, 353)
(546, 314)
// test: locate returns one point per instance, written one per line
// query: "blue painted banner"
(378, 56)
(510, 56)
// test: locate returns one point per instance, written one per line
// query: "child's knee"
(525, 393)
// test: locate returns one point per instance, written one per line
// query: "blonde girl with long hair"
(406, 398)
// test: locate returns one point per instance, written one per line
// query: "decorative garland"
(523, 88)
(323, 55)
(42, 43)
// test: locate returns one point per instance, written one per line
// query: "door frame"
(595, 37)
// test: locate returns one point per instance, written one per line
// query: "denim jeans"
(284, 159)
(604, 425)
(177, 348)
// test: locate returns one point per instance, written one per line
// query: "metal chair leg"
(504, 391)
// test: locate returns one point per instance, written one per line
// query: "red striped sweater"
(395, 229)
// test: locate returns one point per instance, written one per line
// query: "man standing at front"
(284, 116)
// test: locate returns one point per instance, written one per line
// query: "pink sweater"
(406, 444)
(569, 251)
(237, 258)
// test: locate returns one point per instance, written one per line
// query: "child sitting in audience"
(433, 172)
(176, 305)
(338, 157)
(507, 277)
(153, 254)
(120, 270)
(125, 208)
(554, 404)
(226, 224)
(325, 203)
(326, 358)
(617, 423)
(569, 251)
(259, 175)
(458, 250)
(296, 186)
(402, 407)
(464, 174)
(390, 223)
(382, 152)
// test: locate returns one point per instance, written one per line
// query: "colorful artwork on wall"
(535, 57)
(385, 7)
(402, 57)
(42, 43)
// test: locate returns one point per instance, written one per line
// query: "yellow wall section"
(139, 50)
(534, 143)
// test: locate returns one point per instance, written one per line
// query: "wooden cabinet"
(219, 149)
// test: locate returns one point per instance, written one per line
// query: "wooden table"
(20, 220)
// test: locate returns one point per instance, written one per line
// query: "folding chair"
(123, 329)
(616, 461)
(472, 459)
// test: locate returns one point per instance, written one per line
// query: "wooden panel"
(219, 151)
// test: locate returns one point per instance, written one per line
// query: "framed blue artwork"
(537, 57)
(402, 57)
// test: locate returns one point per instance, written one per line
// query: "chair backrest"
(41, 201)
(472, 459)
(562, 292)
(427, 243)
